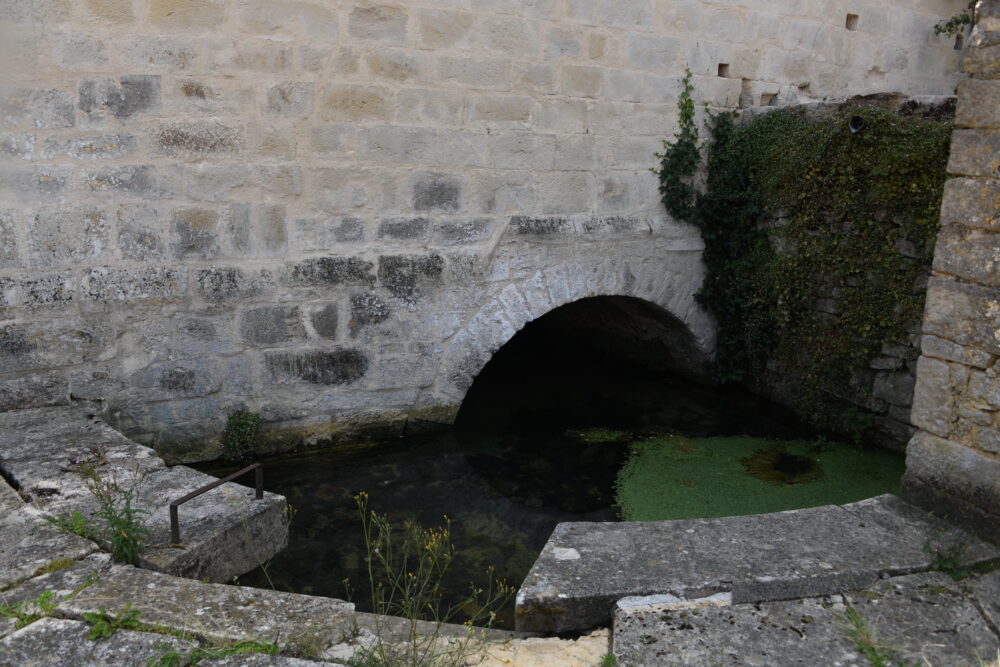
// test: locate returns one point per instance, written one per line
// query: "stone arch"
(523, 301)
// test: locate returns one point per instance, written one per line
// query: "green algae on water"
(593, 436)
(670, 477)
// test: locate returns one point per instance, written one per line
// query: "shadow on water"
(517, 462)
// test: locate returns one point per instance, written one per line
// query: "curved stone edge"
(780, 556)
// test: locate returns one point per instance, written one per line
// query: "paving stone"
(923, 618)
(216, 612)
(224, 533)
(586, 567)
(59, 642)
(30, 544)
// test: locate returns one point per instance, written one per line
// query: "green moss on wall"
(818, 241)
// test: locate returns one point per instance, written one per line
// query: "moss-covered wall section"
(819, 224)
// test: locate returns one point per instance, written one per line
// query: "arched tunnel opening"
(538, 417)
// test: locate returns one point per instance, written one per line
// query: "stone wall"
(327, 211)
(953, 461)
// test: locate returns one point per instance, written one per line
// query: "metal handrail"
(175, 529)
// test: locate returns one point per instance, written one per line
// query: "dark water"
(505, 476)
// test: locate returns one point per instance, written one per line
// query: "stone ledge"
(224, 532)
(925, 618)
(586, 567)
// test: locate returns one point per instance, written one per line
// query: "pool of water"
(526, 456)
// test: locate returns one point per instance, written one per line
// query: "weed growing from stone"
(27, 612)
(123, 522)
(406, 567)
(957, 23)
(103, 624)
(239, 441)
(609, 660)
(866, 641)
(74, 523)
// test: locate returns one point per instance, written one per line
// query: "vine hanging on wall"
(818, 234)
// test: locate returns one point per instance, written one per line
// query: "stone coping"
(224, 533)
(585, 568)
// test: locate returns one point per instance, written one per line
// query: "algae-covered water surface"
(522, 459)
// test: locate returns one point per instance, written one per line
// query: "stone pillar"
(953, 460)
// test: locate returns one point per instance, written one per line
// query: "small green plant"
(406, 567)
(681, 157)
(103, 624)
(239, 442)
(27, 612)
(957, 23)
(946, 556)
(169, 656)
(609, 660)
(866, 641)
(74, 523)
(123, 527)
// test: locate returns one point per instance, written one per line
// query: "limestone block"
(332, 139)
(130, 95)
(220, 284)
(32, 390)
(510, 36)
(464, 231)
(17, 145)
(520, 150)
(582, 81)
(395, 65)
(954, 469)
(180, 379)
(196, 235)
(970, 254)
(103, 288)
(536, 78)
(404, 230)
(367, 310)
(501, 111)
(35, 183)
(324, 234)
(480, 74)
(322, 320)
(978, 103)
(444, 28)
(92, 148)
(939, 388)
(57, 290)
(436, 191)
(407, 277)
(966, 314)
(983, 62)
(349, 102)
(269, 325)
(972, 201)
(290, 99)
(939, 348)
(272, 235)
(158, 53)
(69, 236)
(330, 271)
(112, 11)
(143, 181)
(199, 137)
(189, 95)
(559, 116)
(895, 388)
(655, 53)
(187, 14)
(57, 343)
(215, 183)
(318, 22)
(251, 55)
(344, 366)
(417, 106)
(385, 23)
(202, 336)
(75, 52)
(975, 153)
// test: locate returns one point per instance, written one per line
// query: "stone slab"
(586, 567)
(28, 544)
(224, 533)
(60, 642)
(216, 612)
(924, 618)
(986, 591)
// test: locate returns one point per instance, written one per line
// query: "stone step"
(585, 568)
(925, 619)
(224, 533)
